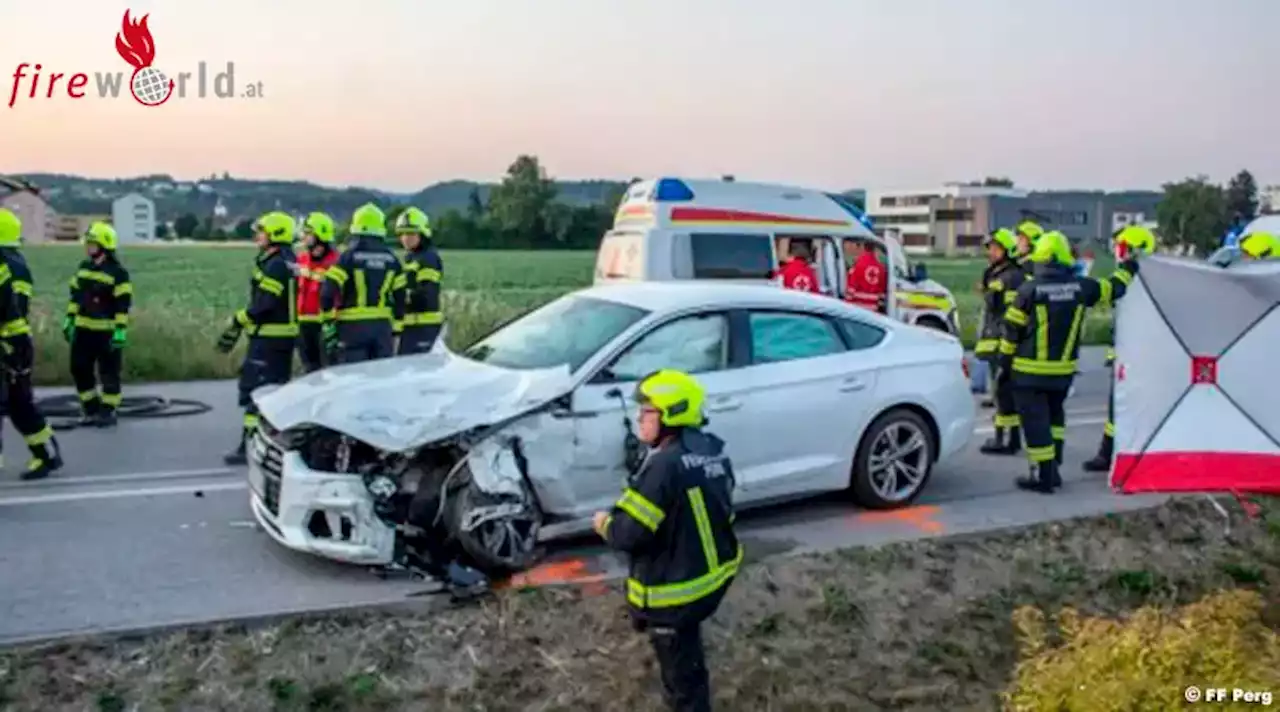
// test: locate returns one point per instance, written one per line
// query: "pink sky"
(834, 93)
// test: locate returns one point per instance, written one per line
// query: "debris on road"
(926, 625)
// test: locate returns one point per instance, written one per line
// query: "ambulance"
(674, 229)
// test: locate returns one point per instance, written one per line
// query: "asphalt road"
(144, 527)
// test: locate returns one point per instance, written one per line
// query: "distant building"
(134, 218)
(36, 215)
(954, 219)
(1269, 200)
(69, 228)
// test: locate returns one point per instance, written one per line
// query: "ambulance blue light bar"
(852, 209)
(671, 190)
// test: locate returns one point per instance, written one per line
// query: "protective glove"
(68, 327)
(329, 337)
(118, 338)
(228, 340)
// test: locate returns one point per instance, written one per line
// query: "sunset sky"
(398, 94)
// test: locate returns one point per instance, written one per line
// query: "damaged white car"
(525, 434)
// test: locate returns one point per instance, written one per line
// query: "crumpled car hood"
(400, 403)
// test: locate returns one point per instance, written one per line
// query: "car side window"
(693, 344)
(789, 336)
(859, 335)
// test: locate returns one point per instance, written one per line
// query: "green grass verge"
(185, 294)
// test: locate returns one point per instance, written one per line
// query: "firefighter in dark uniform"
(675, 520)
(1000, 283)
(419, 281)
(1040, 345)
(271, 320)
(17, 354)
(1128, 242)
(96, 326)
(1026, 234)
(357, 301)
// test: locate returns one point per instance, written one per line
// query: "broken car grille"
(269, 458)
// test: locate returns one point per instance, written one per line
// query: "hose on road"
(65, 410)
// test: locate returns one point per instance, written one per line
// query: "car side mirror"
(920, 274)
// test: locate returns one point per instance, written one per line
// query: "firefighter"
(675, 521)
(866, 283)
(1260, 246)
(17, 354)
(797, 272)
(1040, 345)
(359, 305)
(271, 320)
(419, 281)
(1000, 283)
(1129, 241)
(1026, 233)
(96, 325)
(317, 256)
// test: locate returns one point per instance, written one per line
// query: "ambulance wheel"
(894, 460)
(497, 532)
(933, 322)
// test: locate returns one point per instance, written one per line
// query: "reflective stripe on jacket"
(419, 281)
(1000, 283)
(273, 296)
(358, 286)
(676, 522)
(101, 295)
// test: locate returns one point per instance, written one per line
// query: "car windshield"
(568, 331)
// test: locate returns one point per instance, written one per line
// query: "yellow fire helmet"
(413, 220)
(1260, 245)
(675, 395)
(1005, 238)
(278, 226)
(369, 221)
(320, 225)
(1139, 239)
(1031, 229)
(10, 228)
(102, 235)
(1053, 247)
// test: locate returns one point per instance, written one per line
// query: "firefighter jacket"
(101, 295)
(273, 296)
(311, 271)
(1000, 283)
(866, 283)
(15, 298)
(358, 286)
(675, 520)
(419, 282)
(1042, 328)
(799, 275)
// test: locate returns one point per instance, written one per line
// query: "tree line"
(522, 212)
(1197, 213)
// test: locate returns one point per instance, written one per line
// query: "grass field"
(184, 296)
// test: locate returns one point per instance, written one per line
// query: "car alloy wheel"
(894, 460)
(498, 532)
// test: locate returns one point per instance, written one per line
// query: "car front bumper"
(322, 513)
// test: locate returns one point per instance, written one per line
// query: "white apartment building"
(912, 212)
(134, 218)
(1269, 199)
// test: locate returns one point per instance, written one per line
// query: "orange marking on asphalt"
(920, 517)
(556, 573)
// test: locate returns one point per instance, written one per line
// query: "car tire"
(501, 542)
(869, 482)
(932, 322)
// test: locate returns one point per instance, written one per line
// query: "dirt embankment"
(920, 626)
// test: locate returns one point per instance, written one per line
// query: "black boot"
(106, 417)
(1059, 451)
(1003, 442)
(238, 456)
(1039, 479)
(1102, 461)
(45, 460)
(89, 412)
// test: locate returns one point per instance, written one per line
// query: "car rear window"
(720, 255)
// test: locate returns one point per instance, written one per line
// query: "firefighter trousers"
(95, 361)
(682, 665)
(417, 339)
(365, 341)
(1006, 415)
(311, 345)
(1044, 421)
(268, 361)
(18, 403)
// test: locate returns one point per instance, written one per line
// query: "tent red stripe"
(1197, 472)
(730, 216)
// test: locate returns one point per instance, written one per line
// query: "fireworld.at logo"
(147, 84)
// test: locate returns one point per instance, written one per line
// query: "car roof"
(663, 296)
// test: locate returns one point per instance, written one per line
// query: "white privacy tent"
(1197, 394)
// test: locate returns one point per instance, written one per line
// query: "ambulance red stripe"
(743, 216)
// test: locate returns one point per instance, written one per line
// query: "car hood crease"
(400, 403)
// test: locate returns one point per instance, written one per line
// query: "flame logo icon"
(149, 86)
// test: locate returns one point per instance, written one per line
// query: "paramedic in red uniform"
(317, 256)
(797, 272)
(866, 282)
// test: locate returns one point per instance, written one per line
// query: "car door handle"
(724, 405)
(850, 385)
